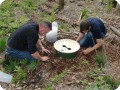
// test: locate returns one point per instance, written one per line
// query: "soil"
(75, 71)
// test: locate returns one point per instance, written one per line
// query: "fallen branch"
(116, 31)
(79, 18)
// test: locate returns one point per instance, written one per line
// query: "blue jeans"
(21, 55)
(88, 40)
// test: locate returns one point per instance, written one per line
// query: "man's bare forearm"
(79, 37)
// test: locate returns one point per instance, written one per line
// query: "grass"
(2, 44)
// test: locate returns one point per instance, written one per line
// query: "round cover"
(66, 45)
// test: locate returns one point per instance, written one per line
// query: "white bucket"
(52, 35)
(5, 77)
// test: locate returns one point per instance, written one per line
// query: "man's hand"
(45, 50)
(45, 58)
(87, 51)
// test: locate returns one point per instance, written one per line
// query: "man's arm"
(39, 44)
(79, 37)
(99, 43)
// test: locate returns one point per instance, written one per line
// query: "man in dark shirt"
(92, 32)
(22, 43)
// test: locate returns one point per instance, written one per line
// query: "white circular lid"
(66, 45)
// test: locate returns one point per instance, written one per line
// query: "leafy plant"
(63, 27)
(83, 82)
(109, 5)
(111, 82)
(55, 80)
(89, 1)
(10, 65)
(84, 62)
(42, 1)
(84, 13)
(100, 59)
(94, 86)
(32, 66)
(20, 74)
(51, 18)
(2, 44)
(42, 14)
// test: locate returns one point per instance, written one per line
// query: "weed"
(84, 13)
(55, 80)
(94, 86)
(10, 65)
(83, 82)
(2, 44)
(51, 18)
(42, 14)
(32, 66)
(63, 27)
(84, 62)
(109, 5)
(100, 59)
(20, 74)
(42, 1)
(111, 82)
(89, 1)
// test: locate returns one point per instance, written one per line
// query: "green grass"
(2, 44)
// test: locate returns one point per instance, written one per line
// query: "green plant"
(109, 5)
(94, 86)
(10, 65)
(100, 59)
(55, 80)
(63, 27)
(84, 62)
(83, 82)
(2, 44)
(32, 65)
(42, 14)
(42, 1)
(51, 18)
(95, 14)
(84, 13)
(109, 80)
(20, 74)
(89, 1)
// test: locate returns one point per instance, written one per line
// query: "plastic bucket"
(5, 77)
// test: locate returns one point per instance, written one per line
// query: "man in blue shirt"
(92, 32)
